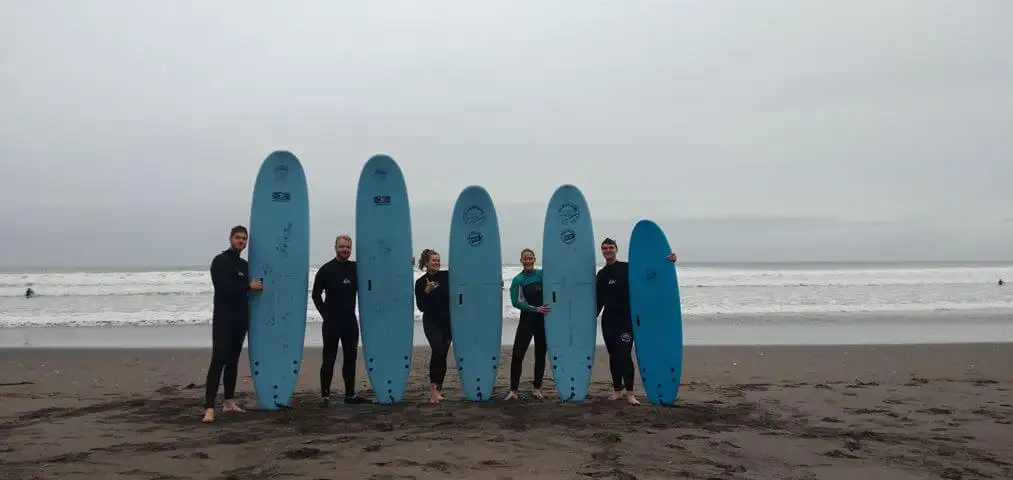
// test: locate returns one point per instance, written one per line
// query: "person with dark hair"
(230, 320)
(337, 279)
(613, 292)
(432, 297)
(526, 296)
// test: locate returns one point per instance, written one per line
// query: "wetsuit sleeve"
(515, 298)
(421, 297)
(227, 281)
(599, 294)
(318, 290)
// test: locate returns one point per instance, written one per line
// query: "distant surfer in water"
(1000, 283)
(432, 297)
(31, 293)
(230, 321)
(613, 291)
(526, 296)
(334, 289)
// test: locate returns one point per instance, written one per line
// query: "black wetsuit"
(230, 321)
(613, 292)
(435, 308)
(526, 296)
(337, 279)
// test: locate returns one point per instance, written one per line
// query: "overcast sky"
(752, 131)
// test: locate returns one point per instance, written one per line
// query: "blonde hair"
(344, 236)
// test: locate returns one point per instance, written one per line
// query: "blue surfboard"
(657, 313)
(476, 292)
(568, 277)
(383, 251)
(279, 256)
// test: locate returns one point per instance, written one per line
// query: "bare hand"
(671, 257)
(430, 285)
(256, 285)
(543, 309)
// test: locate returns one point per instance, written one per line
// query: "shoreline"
(744, 412)
(699, 330)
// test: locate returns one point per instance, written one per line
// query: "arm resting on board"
(599, 294)
(515, 289)
(227, 281)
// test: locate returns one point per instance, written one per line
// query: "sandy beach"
(842, 412)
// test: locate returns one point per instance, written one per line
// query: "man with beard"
(334, 289)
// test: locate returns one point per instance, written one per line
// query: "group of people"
(334, 292)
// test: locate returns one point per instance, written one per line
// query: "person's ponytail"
(424, 258)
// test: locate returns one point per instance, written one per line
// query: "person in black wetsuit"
(432, 297)
(526, 296)
(338, 281)
(230, 321)
(613, 292)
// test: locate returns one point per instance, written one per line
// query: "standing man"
(613, 291)
(230, 321)
(337, 279)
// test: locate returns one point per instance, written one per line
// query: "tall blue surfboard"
(383, 251)
(568, 279)
(656, 310)
(279, 256)
(476, 292)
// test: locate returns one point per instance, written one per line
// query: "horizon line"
(8, 269)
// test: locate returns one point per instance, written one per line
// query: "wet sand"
(843, 412)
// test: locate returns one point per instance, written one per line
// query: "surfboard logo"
(473, 215)
(567, 236)
(281, 197)
(380, 174)
(475, 238)
(626, 338)
(568, 213)
(381, 200)
(280, 173)
(382, 248)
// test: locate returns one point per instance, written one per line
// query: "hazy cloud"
(777, 130)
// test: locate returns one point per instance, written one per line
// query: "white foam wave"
(185, 297)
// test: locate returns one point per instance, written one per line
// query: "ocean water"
(743, 297)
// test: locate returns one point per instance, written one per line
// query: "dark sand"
(745, 412)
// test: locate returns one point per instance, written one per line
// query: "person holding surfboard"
(432, 297)
(335, 286)
(613, 291)
(526, 296)
(230, 320)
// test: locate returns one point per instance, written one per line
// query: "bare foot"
(511, 395)
(615, 396)
(537, 394)
(435, 397)
(209, 415)
(230, 406)
(632, 399)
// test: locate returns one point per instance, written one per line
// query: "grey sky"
(775, 130)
